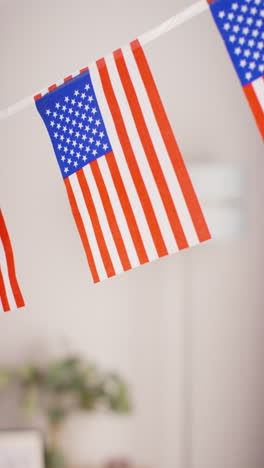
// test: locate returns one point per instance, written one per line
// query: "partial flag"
(10, 294)
(129, 189)
(241, 25)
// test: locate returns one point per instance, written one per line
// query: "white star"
(90, 119)
(64, 108)
(80, 125)
(80, 104)
(94, 110)
(76, 92)
(81, 146)
(87, 128)
(52, 123)
(251, 42)
(78, 155)
(253, 10)
(252, 65)
(59, 146)
(259, 23)
(226, 26)
(71, 152)
(83, 116)
(77, 134)
(236, 28)
(77, 113)
(260, 45)
(68, 140)
(71, 131)
(75, 163)
(74, 122)
(84, 158)
(63, 158)
(83, 95)
(221, 14)
(73, 102)
(98, 143)
(230, 16)
(241, 40)
(91, 140)
(247, 53)
(65, 149)
(94, 152)
(64, 129)
(55, 114)
(58, 125)
(255, 33)
(69, 161)
(244, 8)
(232, 38)
(87, 149)
(257, 2)
(66, 99)
(101, 134)
(261, 67)
(245, 31)
(249, 21)
(234, 6)
(61, 117)
(87, 86)
(90, 98)
(256, 55)
(57, 105)
(94, 131)
(243, 63)
(84, 137)
(70, 111)
(67, 119)
(74, 143)
(66, 170)
(105, 146)
(48, 112)
(86, 107)
(248, 75)
(97, 122)
(240, 18)
(56, 135)
(61, 138)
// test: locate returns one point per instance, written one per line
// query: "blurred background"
(183, 334)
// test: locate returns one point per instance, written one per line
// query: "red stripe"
(10, 262)
(150, 150)
(131, 160)
(3, 295)
(127, 209)
(52, 87)
(255, 107)
(210, 1)
(171, 144)
(84, 69)
(110, 215)
(81, 229)
(68, 78)
(95, 222)
(37, 96)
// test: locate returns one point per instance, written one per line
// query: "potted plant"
(62, 387)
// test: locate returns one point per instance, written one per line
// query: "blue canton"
(241, 24)
(74, 121)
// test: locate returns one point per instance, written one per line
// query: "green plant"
(62, 387)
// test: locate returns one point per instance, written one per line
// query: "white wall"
(186, 330)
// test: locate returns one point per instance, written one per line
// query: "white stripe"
(161, 150)
(4, 270)
(1, 306)
(122, 165)
(140, 155)
(120, 218)
(87, 226)
(103, 219)
(258, 86)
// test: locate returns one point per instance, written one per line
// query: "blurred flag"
(127, 184)
(241, 25)
(10, 295)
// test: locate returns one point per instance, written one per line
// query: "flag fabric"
(10, 294)
(129, 190)
(241, 25)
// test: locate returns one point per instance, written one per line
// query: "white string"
(144, 39)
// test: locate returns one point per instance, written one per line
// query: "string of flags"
(128, 187)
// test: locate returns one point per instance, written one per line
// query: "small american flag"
(241, 24)
(10, 295)
(129, 190)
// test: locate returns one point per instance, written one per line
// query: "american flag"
(129, 190)
(241, 24)
(10, 294)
